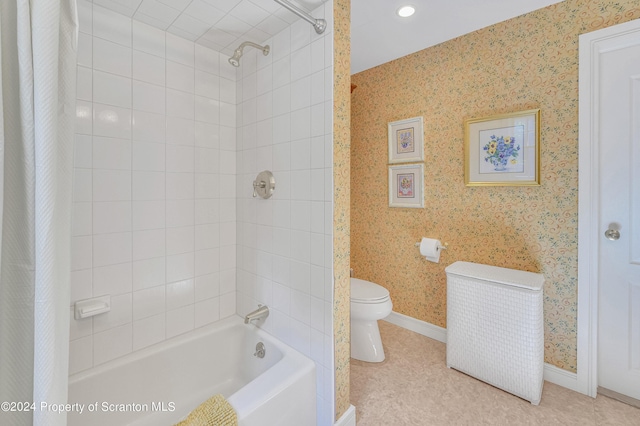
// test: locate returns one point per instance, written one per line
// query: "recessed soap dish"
(89, 307)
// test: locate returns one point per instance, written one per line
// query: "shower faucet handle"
(256, 185)
(264, 185)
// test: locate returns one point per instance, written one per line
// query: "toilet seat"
(367, 292)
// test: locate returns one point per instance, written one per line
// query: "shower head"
(237, 54)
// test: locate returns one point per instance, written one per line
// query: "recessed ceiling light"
(406, 11)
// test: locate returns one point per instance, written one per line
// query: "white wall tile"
(300, 306)
(148, 331)
(207, 286)
(207, 185)
(148, 127)
(180, 159)
(282, 128)
(180, 267)
(112, 344)
(207, 110)
(149, 214)
(180, 321)
(180, 131)
(84, 84)
(111, 26)
(227, 305)
(148, 185)
(180, 240)
(148, 39)
(148, 97)
(227, 91)
(206, 312)
(317, 249)
(180, 293)
(113, 279)
(301, 245)
(81, 256)
(207, 211)
(111, 57)
(111, 216)
(148, 68)
(148, 302)
(208, 261)
(301, 154)
(84, 117)
(301, 93)
(111, 121)
(180, 50)
(207, 85)
(207, 160)
(180, 77)
(110, 249)
(80, 354)
(85, 50)
(81, 219)
(317, 217)
(208, 135)
(180, 104)
(82, 151)
(120, 314)
(148, 244)
(149, 273)
(79, 329)
(300, 215)
(148, 156)
(301, 124)
(300, 63)
(300, 183)
(111, 153)
(317, 187)
(207, 59)
(180, 186)
(316, 288)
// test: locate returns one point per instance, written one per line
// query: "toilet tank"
(495, 329)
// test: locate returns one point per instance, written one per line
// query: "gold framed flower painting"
(503, 150)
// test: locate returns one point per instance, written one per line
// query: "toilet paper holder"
(441, 247)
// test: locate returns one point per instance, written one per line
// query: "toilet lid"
(366, 291)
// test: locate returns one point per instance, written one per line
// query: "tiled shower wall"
(154, 212)
(157, 163)
(285, 259)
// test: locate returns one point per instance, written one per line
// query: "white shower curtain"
(38, 40)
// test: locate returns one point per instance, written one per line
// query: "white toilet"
(369, 303)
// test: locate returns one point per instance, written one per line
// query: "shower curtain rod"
(318, 24)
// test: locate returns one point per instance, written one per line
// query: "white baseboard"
(552, 374)
(348, 418)
(418, 326)
(560, 377)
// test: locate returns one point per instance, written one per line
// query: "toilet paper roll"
(430, 249)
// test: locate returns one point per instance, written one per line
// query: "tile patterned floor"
(413, 386)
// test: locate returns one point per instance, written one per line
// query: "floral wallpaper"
(527, 62)
(341, 205)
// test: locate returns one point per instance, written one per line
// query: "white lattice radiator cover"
(494, 327)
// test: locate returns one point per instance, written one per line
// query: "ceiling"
(378, 35)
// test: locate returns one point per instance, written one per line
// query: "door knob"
(612, 234)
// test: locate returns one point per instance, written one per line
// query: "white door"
(619, 219)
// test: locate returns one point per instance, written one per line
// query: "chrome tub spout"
(260, 313)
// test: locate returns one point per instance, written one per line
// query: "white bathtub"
(163, 383)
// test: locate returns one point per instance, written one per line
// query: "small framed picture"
(503, 150)
(406, 141)
(406, 186)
